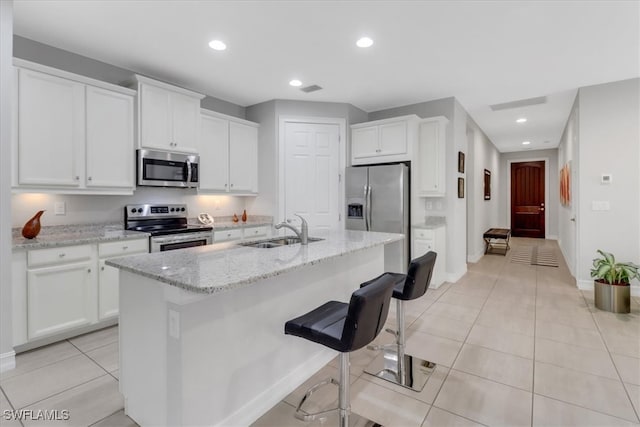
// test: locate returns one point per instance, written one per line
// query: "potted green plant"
(612, 282)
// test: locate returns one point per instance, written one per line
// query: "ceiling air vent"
(519, 103)
(310, 89)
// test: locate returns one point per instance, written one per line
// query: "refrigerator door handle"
(369, 225)
(365, 214)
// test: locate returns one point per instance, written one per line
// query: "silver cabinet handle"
(77, 178)
(102, 268)
(124, 248)
(232, 185)
(62, 255)
(88, 270)
(89, 179)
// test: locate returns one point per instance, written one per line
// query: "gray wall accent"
(6, 95)
(438, 107)
(41, 53)
(609, 135)
(553, 187)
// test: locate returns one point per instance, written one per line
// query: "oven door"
(180, 241)
(164, 169)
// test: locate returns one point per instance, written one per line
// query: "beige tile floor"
(515, 345)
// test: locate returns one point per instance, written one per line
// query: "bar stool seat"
(345, 328)
(392, 363)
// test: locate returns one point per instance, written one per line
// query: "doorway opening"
(528, 199)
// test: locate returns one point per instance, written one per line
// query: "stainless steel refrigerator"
(378, 200)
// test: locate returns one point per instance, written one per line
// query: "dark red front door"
(527, 199)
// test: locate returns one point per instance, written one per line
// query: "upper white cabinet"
(430, 162)
(169, 116)
(228, 151)
(388, 140)
(72, 134)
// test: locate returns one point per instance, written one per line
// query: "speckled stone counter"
(432, 222)
(67, 235)
(226, 222)
(220, 267)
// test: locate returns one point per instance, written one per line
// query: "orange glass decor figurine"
(235, 218)
(244, 216)
(32, 227)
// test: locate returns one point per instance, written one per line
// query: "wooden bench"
(497, 238)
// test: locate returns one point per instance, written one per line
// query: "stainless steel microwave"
(166, 169)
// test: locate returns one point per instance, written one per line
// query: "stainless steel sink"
(277, 242)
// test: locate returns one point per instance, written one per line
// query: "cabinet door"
(243, 158)
(108, 282)
(50, 130)
(421, 247)
(110, 150)
(393, 138)
(364, 142)
(431, 160)
(185, 118)
(214, 154)
(155, 117)
(59, 298)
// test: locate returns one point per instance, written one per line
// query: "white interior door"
(311, 173)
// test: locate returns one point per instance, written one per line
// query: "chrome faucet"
(303, 234)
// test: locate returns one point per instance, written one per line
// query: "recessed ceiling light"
(526, 142)
(217, 45)
(295, 83)
(364, 42)
(521, 120)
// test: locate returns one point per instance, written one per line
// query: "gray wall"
(34, 51)
(609, 135)
(552, 187)
(6, 91)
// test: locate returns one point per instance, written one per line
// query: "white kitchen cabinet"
(73, 134)
(431, 161)
(110, 143)
(425, 240)
(388, 140)
(228, 150)
(61, 290)
(169, 116)
(226, 235)
(108, 277)
(50, 130)
(256, 232)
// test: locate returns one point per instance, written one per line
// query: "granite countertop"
(432, 222)
(224, 266)
(66, 235)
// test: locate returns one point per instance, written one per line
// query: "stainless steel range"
(167, 225)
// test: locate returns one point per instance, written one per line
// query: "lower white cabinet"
(108, 277)
(425, 240)
(241, 233)
(57, 290)
(61, 290)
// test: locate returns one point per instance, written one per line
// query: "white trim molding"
(7, 361)
(455, 276)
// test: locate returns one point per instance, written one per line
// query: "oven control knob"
(172, 209)
(139, 210)
(133, 210)
(182, 209)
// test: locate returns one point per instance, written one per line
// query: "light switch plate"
(606, 178)
(600, 205)
(59, 208)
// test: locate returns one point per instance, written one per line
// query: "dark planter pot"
(615, 298)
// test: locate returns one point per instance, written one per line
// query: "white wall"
(481, 214)
(609, 142)
(6, 90)
(551, 186)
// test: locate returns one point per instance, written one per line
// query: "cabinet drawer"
(420, 233)
(123, 247)
(252, 232)
(221, 236)
(59, 255)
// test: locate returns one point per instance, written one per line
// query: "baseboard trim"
(587, 285)
(475, 257)
(552, 237)
(454, 277)
(7, 361)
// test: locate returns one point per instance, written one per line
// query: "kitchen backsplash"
(83, 209)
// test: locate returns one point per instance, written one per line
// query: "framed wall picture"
(460, 188)
(487, 184)
(460, 162)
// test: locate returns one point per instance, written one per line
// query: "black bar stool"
(392, 364)
(345, 328)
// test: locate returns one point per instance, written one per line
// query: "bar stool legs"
(394, 365)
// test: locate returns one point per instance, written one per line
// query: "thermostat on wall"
(606, 178)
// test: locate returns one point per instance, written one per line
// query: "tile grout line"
(582, 407)
(10, 404)
(62, 391)
(533, 367)
(102, 419)
(611, 357)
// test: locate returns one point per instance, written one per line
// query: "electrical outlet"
(429, 205)
(59, 208)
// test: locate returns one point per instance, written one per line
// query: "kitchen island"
(201, 329)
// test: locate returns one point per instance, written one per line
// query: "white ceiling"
(481, 52)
